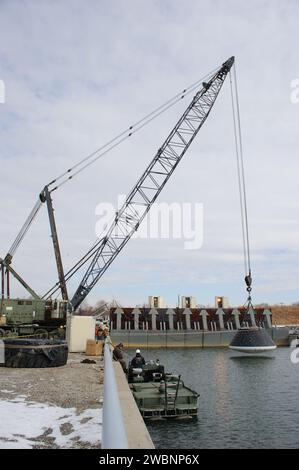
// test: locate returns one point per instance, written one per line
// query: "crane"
(137, 204)
(152, 181)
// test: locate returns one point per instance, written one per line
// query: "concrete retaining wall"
(280, 335)
(186, 339)
(137, 433)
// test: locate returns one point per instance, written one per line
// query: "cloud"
(77, 73)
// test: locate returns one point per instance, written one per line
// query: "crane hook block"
(248, 281)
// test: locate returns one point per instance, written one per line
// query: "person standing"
(138, 361)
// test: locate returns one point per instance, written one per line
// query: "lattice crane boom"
(151, 183)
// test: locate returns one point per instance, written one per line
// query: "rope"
(32, 346)
(23, 336)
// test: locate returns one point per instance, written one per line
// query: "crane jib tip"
(229, 63)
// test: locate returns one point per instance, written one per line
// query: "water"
(245, 401)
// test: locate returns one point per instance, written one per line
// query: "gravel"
(74, 386)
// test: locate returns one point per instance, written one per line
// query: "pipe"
(7, 284)
(2, 352)
(114, 435)
(2, 281)
(176, 392)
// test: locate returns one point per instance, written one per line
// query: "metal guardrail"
(2, 352)
(114, 433)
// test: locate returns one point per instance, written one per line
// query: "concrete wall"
(186, 339)
(137, 433)
(183, 328)
(280, 336)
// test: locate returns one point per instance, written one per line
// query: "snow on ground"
(27, 424)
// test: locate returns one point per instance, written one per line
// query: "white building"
(188, 302)
(221, 302)
(156, 301)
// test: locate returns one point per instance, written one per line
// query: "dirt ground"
(75, 385)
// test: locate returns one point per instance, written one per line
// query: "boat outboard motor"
(136, 371)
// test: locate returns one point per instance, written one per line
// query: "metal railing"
(2, 352)
(114, 434)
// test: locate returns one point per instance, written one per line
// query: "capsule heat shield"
(252, 340)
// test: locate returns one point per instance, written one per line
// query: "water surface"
(245, 401)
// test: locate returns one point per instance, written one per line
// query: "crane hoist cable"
(97, 248)
(126, 134)
(239, 176)
(100, 152)
(151, 182)
(241, 183)
(148, 187)
(74, 269)
(23, 230)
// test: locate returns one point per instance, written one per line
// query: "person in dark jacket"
(118, 356)
(138, 361)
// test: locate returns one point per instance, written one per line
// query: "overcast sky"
(79, 71)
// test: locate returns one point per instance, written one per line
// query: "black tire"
(30, 363)
(8, 362)
(41, 362)
(35, 353)
(13, 361)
